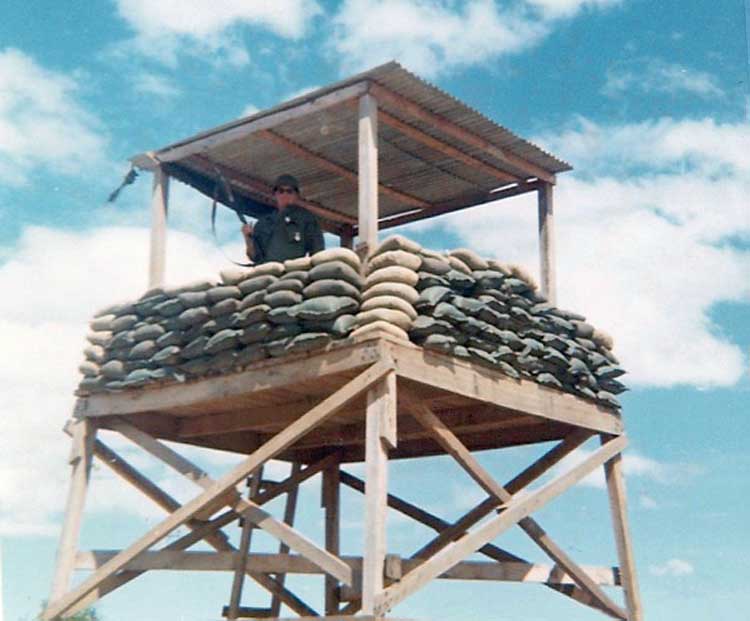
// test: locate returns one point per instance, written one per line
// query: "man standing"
(289, 232)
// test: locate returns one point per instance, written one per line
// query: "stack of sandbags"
(215, 327)
(389, 290)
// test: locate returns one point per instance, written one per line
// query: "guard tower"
(377, 150)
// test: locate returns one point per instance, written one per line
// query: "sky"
(647, 100)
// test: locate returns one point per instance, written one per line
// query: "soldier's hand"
(247, 230)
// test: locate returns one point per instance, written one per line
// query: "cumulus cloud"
(39, 113)
(155, 84)
(647, 241)
(61, 279)
(673, 567)
(167, 28)
(437, 36)
(657, 76)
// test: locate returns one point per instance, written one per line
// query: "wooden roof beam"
(457, 204)
(338, 169)
(236, 178)
(387, 96)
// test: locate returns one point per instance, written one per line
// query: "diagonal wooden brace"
(512, 513)
(278, 443)
(463, 456)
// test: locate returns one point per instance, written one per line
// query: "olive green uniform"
(290, 234)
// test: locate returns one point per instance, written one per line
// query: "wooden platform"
(239, 412)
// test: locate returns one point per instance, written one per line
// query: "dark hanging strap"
(221, 181)
(129, 178)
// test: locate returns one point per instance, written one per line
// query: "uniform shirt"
(290, 234)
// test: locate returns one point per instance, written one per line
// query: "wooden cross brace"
(214, 490)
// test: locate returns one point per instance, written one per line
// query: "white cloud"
(658, 76)
(673, 567)
(438, 36)
(647, 502)
(170, 27)
(644, 244)
(42, 124)
(53, 284)
(154, 84)
(428, 36)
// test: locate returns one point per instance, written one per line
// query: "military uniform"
(290, 234)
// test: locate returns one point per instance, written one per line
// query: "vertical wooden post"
(347, 238)
(368, 171)
(159, 204)
(82, 452)
(289, 511)
(379, 435)
(547, 242)
(331, 504)
(618, 508)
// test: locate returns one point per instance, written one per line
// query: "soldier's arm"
(314, 241)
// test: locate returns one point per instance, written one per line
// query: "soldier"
(289, 232)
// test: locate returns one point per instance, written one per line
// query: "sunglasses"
(285, 191)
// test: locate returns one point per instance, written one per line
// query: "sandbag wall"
(456, 303)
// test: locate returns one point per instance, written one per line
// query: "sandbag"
(234, 275)
(114, 369)
(396, 317)
(252, 299)
(99, 338)
(166, 355)
(254, 333)
(394, 273)
(250, 354)
(123, 323)
(380, 326)
(89, 369)
(256, 283)
(344, 255)
(226, 339)
(143, 350)
(282, 298)
(169, 307)
(195, 348)
(458, 265)
(326, 307)
(337, 270)
(193, 316)
(392, 302)
(191, 299)
(286, 284)
(272, 268)
(406, 292)
(252, 315)
(225, 307)
(427, 280)
(470, 258)
(95, 353)
(329, 286)
(308, 341)
(438, 266)
(149, 331)
(432, 296)
(396, 242)
(301, 263)
(283, 314)
(217, 294)
(424, 325)
(103, 322)
(397, 258)
(302, 275)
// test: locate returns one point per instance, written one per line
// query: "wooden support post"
(368, 171)
(379, 435)
(159, 203)
(331, 504)
(346, 237)
(82, 450)
(240, 561)
(618, 508)
(547, 242)
(290, 509)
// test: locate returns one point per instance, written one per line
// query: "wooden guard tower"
(411, 152)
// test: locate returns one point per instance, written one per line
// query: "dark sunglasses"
(285, 191)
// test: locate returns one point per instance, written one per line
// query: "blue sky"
(649, 102)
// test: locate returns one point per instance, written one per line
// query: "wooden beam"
(458, 204)
(242, 128)
(368, 171)
(84, 434)
(507, 571)
(618, 509)
(446, 149)
(453, 446)
(338, 169)
(512, 513)
(158, 247)
(380, 435)
(290, 509)
(410, 108)
(269, 450)
(331, 501)
(478, 382)
(546, 225)
(264, 375)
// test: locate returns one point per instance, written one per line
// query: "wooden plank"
(268, 451)
(466, 201)
(368, 171)
(512, 512)
(379, 433)
(262, 376)
(249, 509)
(448, 127)
(290, 508)
(238, 130)
(240, 557)
(331, 500)
(618, 509)
(158, 247)
(506, 571)
(338, 169)
(483, 384)
(468, 462)
(84, 434)
(546, 225)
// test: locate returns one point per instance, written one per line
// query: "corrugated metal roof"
(433, 148)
